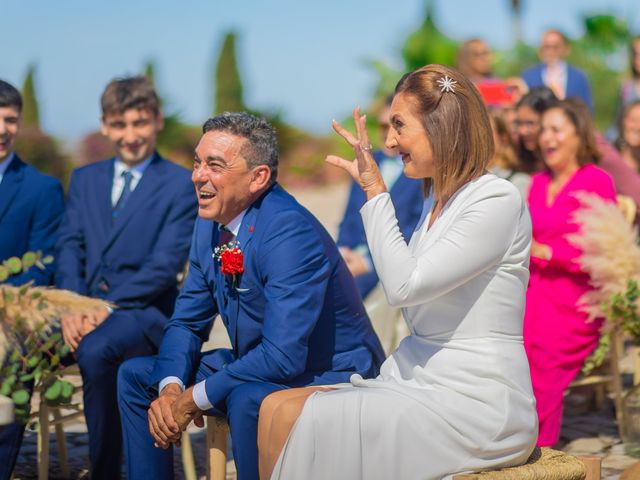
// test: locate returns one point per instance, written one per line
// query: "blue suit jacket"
(294, 319)
(408, 200)
(132, 260)
(577, 82)
(31, 206)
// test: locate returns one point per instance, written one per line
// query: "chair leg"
(188, 462)
(61, 444)
(217, 433)
(43, 441)
(593, 465)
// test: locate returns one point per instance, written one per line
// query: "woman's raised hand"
(363, 169)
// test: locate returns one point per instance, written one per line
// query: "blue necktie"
(126, 193)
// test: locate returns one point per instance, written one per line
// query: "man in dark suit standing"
(276, 278)
(124, 238)
(31, 206)
(554, 72)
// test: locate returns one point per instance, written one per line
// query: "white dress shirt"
(199, 393)
(118, 179)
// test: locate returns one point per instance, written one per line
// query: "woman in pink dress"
(557, 335)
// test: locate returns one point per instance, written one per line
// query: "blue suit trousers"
(135, 394)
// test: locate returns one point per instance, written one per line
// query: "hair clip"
(447, 84)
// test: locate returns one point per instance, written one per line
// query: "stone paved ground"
(583, 432)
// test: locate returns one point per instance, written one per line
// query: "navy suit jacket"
(408, 200)
(131, 260)
(577, 82)
(31, 206)
(295, 317)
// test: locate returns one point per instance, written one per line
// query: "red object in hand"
(231, 261)
(496, 93)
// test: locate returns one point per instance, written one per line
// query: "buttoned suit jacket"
(131, 260)
(577, 82)
(294, 317)
(31, 207)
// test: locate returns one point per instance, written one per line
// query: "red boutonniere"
(231, 260)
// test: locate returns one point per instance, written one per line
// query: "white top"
(118, 180)
(456, 395)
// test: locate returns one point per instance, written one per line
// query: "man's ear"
(159, 121)
(103, 127)
(261, 177)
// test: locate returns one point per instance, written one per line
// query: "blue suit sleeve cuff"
(200, 396)
(168, 380)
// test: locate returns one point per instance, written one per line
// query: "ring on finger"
(366, 148)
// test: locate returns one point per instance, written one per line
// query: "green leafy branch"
(34, 348)
(621, 313)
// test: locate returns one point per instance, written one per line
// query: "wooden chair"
(544, 464)
(217, 441)
(52, 417)
(612, 380)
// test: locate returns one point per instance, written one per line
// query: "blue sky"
(304, 58)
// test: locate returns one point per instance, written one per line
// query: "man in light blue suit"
(554, 72)
(31, 206)
(287, 300)
(124, 238)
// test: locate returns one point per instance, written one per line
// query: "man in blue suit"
(31, 206)
(408, 198)
(276, 278)
(554, 72)
(124, 238)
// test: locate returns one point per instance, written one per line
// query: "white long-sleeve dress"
(456, 395)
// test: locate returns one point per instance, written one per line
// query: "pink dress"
(557, 337)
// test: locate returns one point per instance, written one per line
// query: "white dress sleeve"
(477, 239)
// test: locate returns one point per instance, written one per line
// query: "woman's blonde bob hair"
(456, 124)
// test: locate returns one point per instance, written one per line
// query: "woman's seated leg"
(278, 413)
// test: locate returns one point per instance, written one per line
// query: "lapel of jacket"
(11, 182)
(102, 197)
(150, 181)
(244, 238)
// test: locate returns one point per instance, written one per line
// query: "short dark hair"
(261, 147)
(10, 96)
(122, 94)
(635, 73)
(538, 99)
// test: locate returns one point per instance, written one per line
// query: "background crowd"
(554, 134)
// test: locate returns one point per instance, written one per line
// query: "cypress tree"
(30, 111)
(228, 91)
(150, 72)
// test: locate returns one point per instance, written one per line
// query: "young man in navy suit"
(124, 238)
(31, 206)
(287, 299)
(553, 71)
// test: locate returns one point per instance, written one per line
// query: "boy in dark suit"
(31, 206)
(124, 238)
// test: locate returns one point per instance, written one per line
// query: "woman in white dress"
(456, 395)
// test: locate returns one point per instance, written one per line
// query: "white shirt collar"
(136, 170)
(5, 164)
(234, 225)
